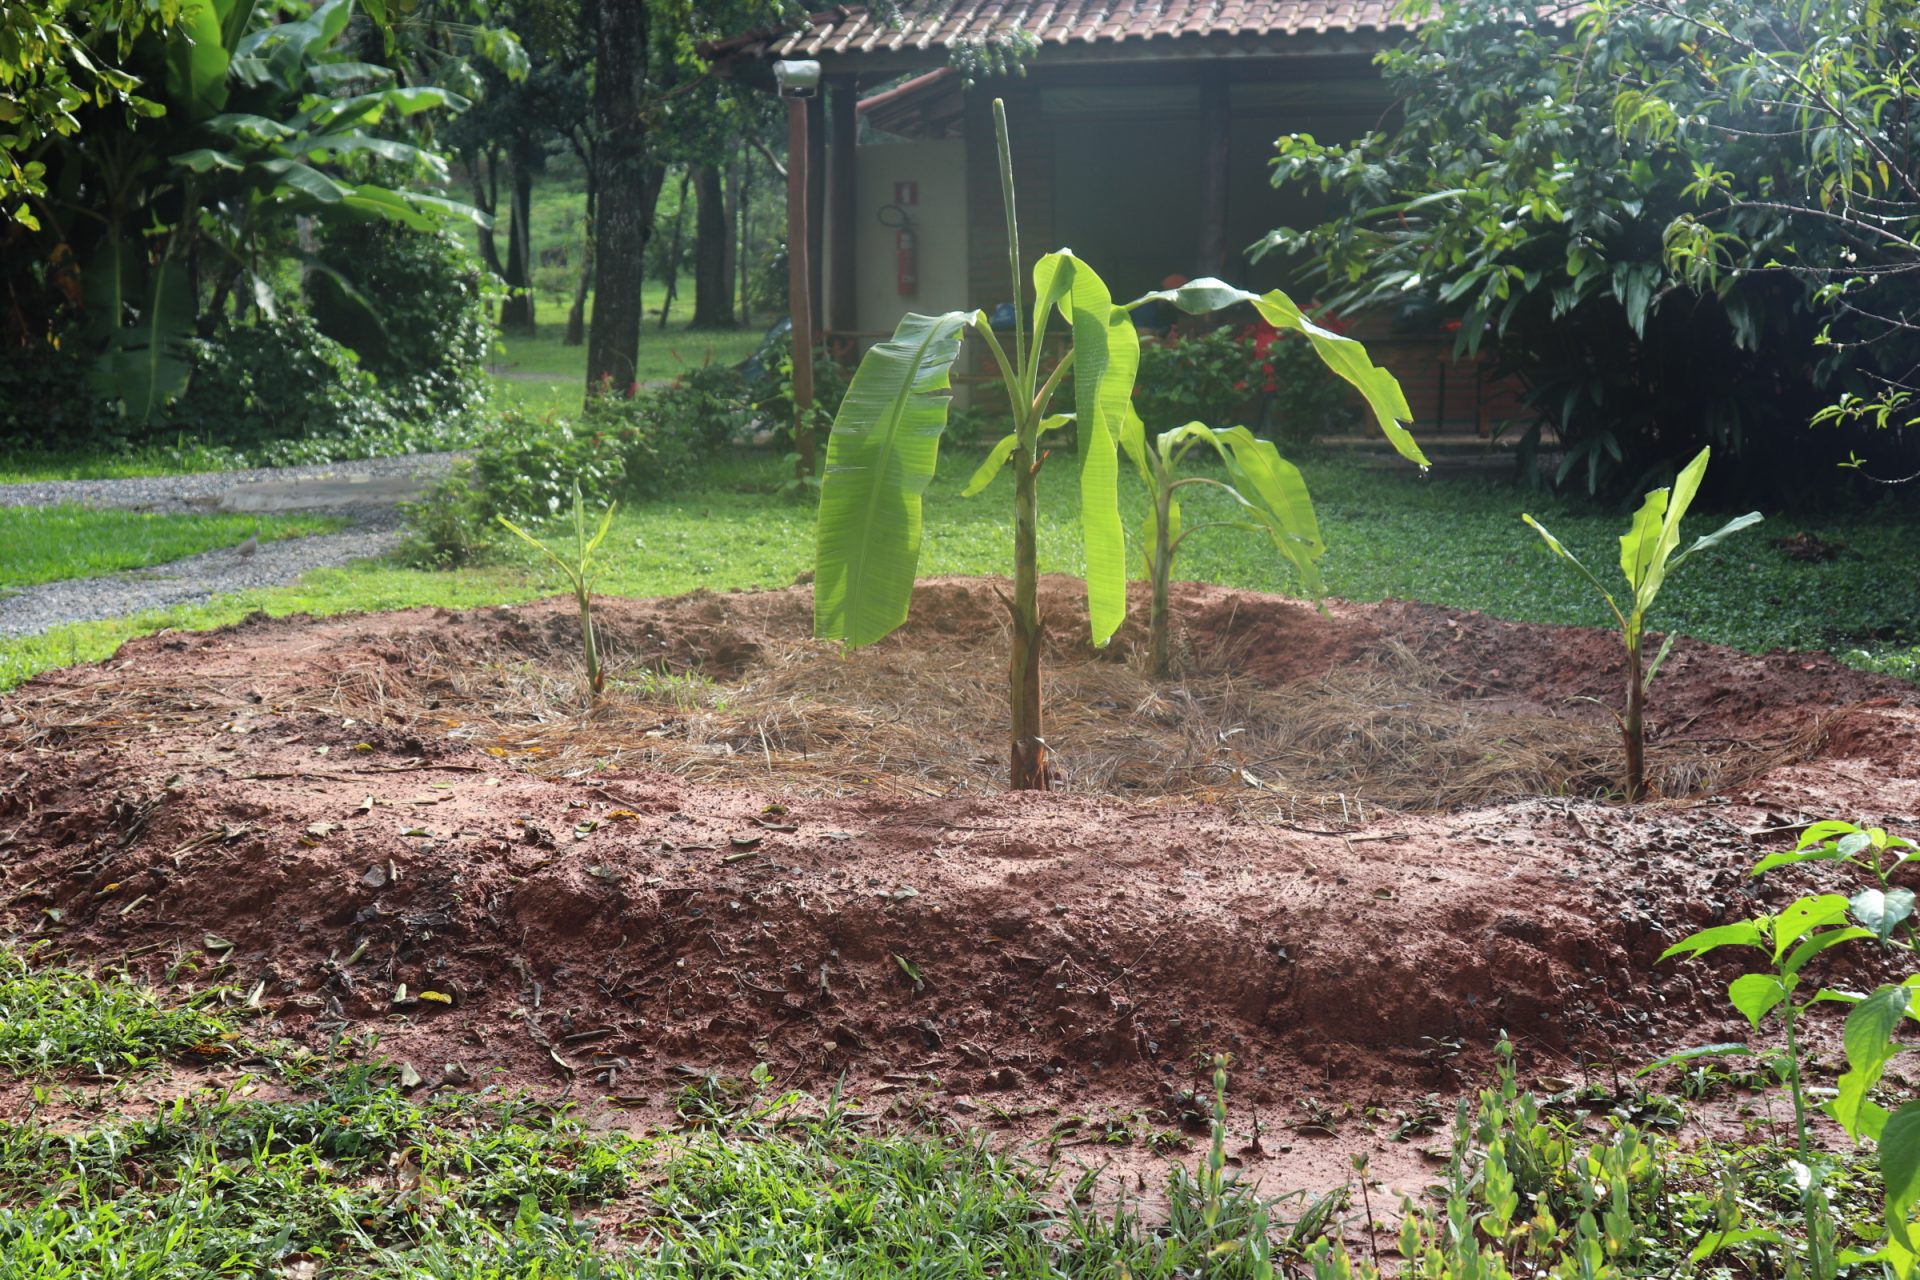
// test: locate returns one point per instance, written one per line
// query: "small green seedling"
(1647, 557)
(580, 572)
(1806, 928)
(1269, 491)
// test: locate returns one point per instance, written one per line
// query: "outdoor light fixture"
(797, 79)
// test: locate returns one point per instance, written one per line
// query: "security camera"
(797, 79)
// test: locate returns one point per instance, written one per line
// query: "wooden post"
(1215, 121)
(841, 198)
(816, 212)
(800, 284)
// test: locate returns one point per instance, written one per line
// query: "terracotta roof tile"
(932, 24)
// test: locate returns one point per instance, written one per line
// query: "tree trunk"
(673, 250)
(577, 315)
(516, 312)
(628, 184)
(744, 256)
(486, 198)
(712, 272)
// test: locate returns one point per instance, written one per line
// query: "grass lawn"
(46, 544)
(543, 376)
(1392, 534)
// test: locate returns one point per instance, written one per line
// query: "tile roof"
(940, 24)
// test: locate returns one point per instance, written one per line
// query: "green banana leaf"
(881, 456)
(1346, 356)
(197, 60)
(1106, 355)
(142, 365)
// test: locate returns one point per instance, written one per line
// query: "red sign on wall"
(906, 193)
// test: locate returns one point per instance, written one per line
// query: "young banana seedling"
(1269, 494)
(1647, 556)
(580, 572)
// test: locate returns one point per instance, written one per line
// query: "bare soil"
(407, 823)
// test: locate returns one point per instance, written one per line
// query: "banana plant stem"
(1028, 769)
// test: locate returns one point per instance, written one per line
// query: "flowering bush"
(1252, 376)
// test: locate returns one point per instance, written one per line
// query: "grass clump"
(54, 1019)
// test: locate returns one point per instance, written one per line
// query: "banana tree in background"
(885, 446)
(256, 123)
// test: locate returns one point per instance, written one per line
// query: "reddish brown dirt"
(619, 932)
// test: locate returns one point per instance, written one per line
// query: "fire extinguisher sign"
(906, 194)
(908, 265)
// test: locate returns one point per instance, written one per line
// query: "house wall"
(939, 225)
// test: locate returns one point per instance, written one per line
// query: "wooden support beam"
(842, 304)
(816, 151)
(1214, 131)
(800, 276)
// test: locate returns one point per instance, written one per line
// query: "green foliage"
(276, 380)
(1647, 554)
(54, 1019)
(1532, 189)
(1269, 491)
(526, 468)
(580, 571)
(413, 306)
(148, 226)
(1246, 375)
(1787, 942)
(56, 60)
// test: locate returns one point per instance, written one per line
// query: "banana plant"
(581, 572)
(1646, 558)
(1268, 493)
(251, 123)
(885, 444)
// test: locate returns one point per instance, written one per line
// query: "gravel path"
(188, 581)
(202, 490)
(328, 489)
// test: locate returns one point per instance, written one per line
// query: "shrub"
(450, 526)
(773, 391)
(46, 403)
(413, 305)
(1232, 375)
(525, 467)
(279, 379)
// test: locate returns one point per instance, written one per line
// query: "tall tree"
(712, 253)
(629, 186)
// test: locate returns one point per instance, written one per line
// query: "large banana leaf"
(143, 364)
(1346, 356)
(880, 459)
(197, 61)
(1106, 355)
(1276, 496)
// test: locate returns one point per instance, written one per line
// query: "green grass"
(52, 1019)
(47, 544)
(1458, 543)
(347, 1173)
(38, 465)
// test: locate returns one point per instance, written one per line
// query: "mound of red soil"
(614, 928)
